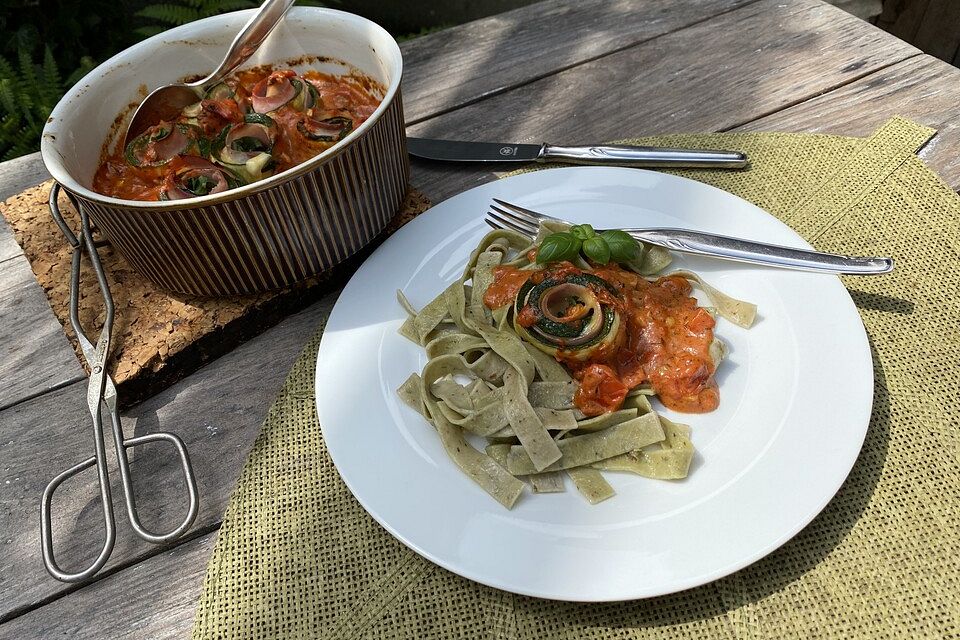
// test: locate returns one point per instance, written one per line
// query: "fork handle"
(652, 157)
(771, 255)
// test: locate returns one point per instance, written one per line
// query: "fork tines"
(517, 218)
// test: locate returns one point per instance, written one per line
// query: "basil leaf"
(558, 246)
(582, 231)
(596, 249)
(623, 248)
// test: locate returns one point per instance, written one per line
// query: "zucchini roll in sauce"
(247, 128)
(615, 330)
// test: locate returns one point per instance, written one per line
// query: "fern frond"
(149, 31)
(27, 95)
(87, 64)
(24, 142)
(232, 5)
(177, 12)
(27, 107)
(7, 72)
(171, 14)
(8, 99)
(28, 71)
(10, 76)
(51, 88)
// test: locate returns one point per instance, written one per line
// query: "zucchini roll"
(569, 315)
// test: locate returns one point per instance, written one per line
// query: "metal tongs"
(101, 391)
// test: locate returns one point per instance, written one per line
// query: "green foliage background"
(48, 45)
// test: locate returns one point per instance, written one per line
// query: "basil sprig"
(601, 248)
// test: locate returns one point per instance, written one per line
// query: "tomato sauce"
(505, 286)
(664, 340)
(350, 97)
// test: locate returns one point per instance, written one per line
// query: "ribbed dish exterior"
(275, 237)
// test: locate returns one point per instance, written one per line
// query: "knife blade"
(614, 155)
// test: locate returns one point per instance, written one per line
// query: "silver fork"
(527, 222)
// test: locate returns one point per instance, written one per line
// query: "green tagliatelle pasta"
(484, 381)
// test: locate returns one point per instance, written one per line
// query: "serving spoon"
(165, 103)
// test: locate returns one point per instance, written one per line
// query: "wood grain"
(700, 78)
(492, 54)
(463, 64)
(15, 176)
(159, 337)
(796, 50)
(922, 88)
(647, 89)
(458, 66)
(34, 353)
(217, 412)
(156, 599)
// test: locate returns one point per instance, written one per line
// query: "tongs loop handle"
(128, 493)
(102, 391)
(46, 528)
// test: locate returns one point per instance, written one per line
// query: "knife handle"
(623, 155)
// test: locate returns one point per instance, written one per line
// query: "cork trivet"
(159, 337)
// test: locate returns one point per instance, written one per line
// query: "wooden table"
(570, 71)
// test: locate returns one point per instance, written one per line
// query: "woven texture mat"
(158, 336)
(298, 557)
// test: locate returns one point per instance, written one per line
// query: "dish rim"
(53, 159)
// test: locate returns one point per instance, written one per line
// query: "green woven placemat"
(298, 557)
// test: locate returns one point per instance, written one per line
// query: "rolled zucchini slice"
(161, 143)
(246, 149)
(283, 88)
(565, 316)
(256, 168)
(220, 91)
(326, 130)
(307, 95)
(245, 141)
(191, 177)
(274, 91)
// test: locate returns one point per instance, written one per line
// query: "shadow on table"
(879, 302)
(767, 576)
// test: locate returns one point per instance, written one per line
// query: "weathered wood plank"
(460, 65)
(797, 50)
(922, 88)
(34, 353)
(646, 89)
(15, 176)
(20, 173)
(155, 599)
(217, 412)
(493, 54)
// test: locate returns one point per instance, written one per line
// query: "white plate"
(796, 393)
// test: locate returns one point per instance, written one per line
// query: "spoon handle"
(247, 41)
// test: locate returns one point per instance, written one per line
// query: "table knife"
(612, 155)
